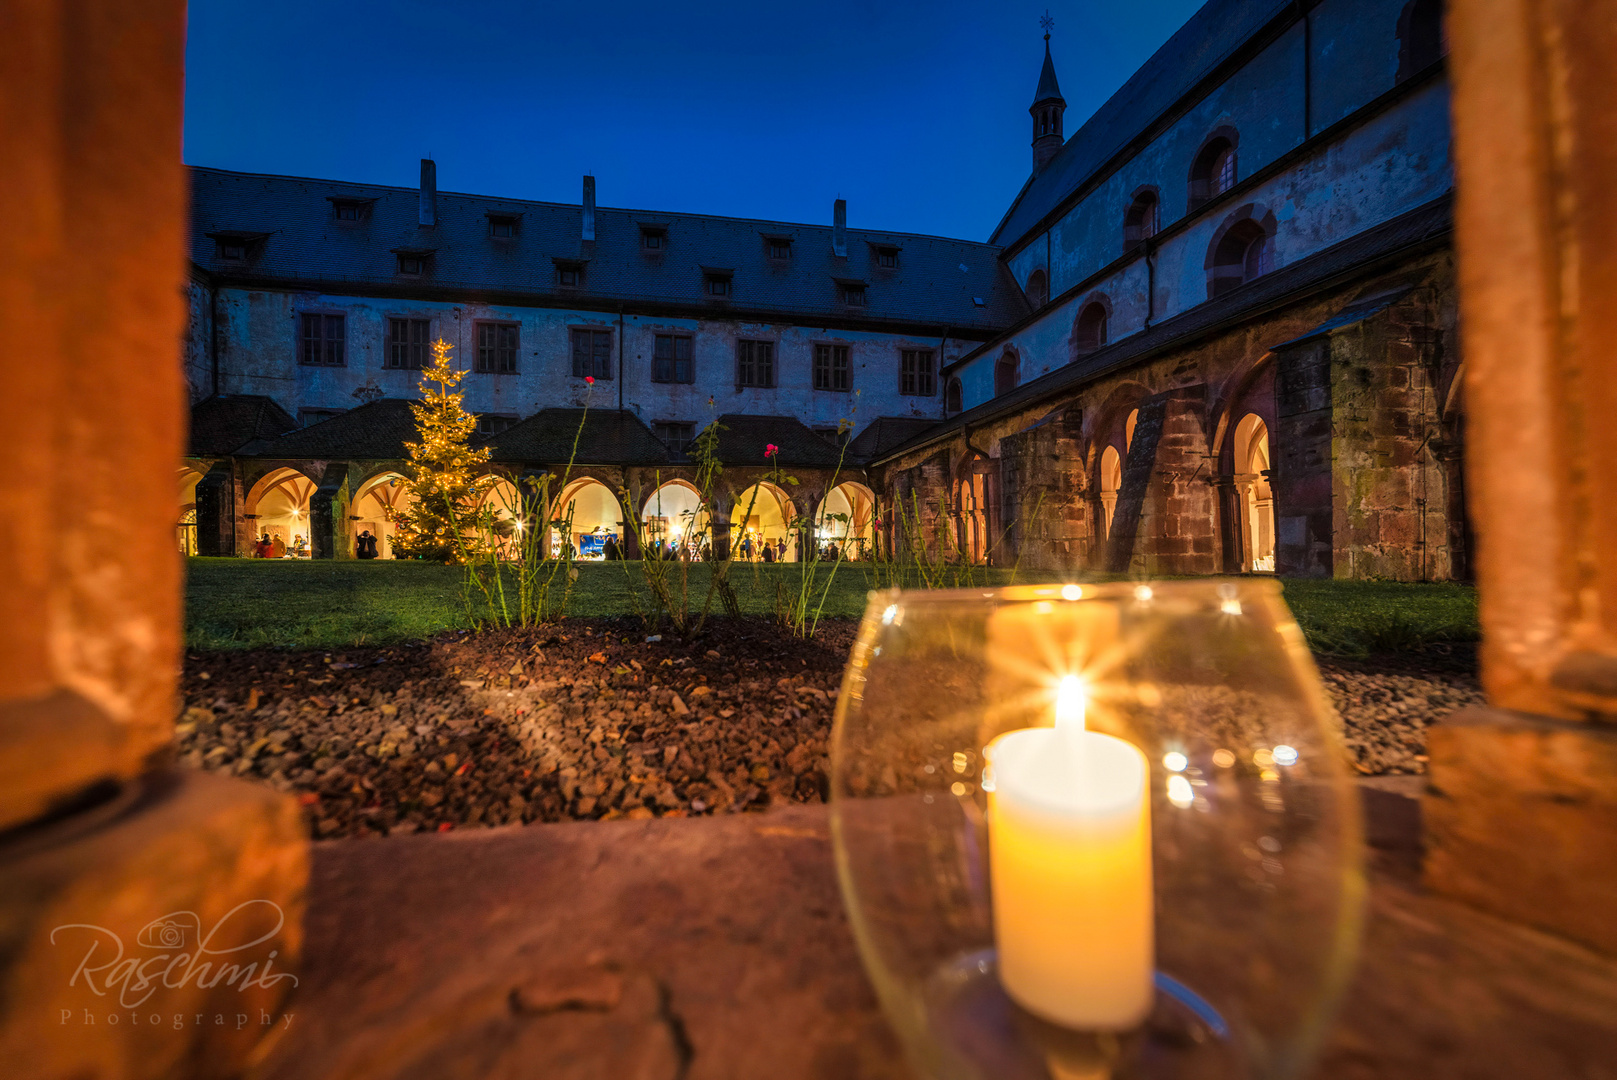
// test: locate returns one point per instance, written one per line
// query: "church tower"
(1047, 107)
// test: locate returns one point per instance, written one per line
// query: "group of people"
(273, 547)
(767, 550)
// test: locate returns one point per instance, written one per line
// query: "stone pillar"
(721, 527)
(1165, 520)
(216, 511)
(102, 831)
(1046, 499)
(1522, 806)
(328, 515)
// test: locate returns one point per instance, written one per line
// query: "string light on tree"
(437, 524)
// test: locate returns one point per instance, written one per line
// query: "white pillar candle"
(1070, 862)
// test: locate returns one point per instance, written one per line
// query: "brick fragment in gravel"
(590, 721)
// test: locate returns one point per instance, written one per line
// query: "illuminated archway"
(845, 519)
(278, 506)
(673, 519)
(770, 522)
(185, 529)
(379, 499)
(1111, 480)
(1257, 500)
(586, 515)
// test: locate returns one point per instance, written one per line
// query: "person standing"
(277, 547)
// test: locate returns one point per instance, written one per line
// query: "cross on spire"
(1048, 23)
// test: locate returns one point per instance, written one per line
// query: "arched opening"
(1422, 37)
(587, 515)
(1091, 329)
(1257, 501)
(976, 510)
(506, 519)
(278, 506)
(185, 529)
(952, 395)
(674, 521)
(844, 520)
(763, 515)
(1214, 170)
(1005, 374)
(380, 499)
(1128, 429)
(1038, 289)
(1240, 255)
(1111, 480)
(1140, 220)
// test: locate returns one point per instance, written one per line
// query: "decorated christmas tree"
(439, 522)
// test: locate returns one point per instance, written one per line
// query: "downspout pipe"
(213, 333)
(620, 358)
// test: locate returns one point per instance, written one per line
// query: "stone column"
(1522, 807)
(1165, 520)
(328, 514)
(100, 829)
(216, 511)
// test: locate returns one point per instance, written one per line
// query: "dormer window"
(716, 282)
(653, 237)
(413, 262)
(853, 293)
(350, 210)
(780, 247)
(887, 258)
(569, 273)
(236, 247)
(502, 226)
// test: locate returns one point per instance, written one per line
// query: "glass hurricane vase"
(1096, 831)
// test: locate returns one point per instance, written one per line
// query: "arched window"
(1091, 329)
(952, 396)
(1005, 374)
(1038, 289)
(1140, 222)
(1422, 40)
(1257, 501)
(1243, 253)
(1111, 479)
(1128, 428)
(1214, 170)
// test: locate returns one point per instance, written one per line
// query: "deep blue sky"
(916, 113)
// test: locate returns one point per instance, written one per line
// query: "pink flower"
(590, 379)
(771, 450)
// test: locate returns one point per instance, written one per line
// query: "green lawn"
(240, 603)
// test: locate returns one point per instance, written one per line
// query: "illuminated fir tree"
(439, 522)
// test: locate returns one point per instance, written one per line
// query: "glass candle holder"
(1096, 831)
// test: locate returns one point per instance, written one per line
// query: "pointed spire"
(1049, 89)
(1047, 108)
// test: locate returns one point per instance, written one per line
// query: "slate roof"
(746, 437)
(375, 431)
(886, 432)
(1421, 228)
(609, 437)
(303, 244)
(224, 423)
(1210, 36)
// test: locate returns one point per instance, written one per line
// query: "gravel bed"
(594, 721)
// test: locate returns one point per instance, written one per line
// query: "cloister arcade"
(586, 515)
(763, 514)
(278, 508)
(672, 518)
(846, 520)
(185, 528)
(372, 509)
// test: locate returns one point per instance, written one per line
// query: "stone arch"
(596, 517)
(953, 396)
(375, 501)
(1422, 37)
(1038, 288)
(1110, 478)
(1242, 249)
(1251, 452)
(1244, 433)
(672, 516)
(1007, 371)
(278, 504)
(1089, 328)
(1213, 170)
(846, 517)
(185, 528)
(975, 498)
(1143, 216)
(771, 519)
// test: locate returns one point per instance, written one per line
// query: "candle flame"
(1070, 703)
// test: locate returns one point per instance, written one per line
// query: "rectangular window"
(831, 367)
(887, 258)
(497, 345)
(592, 354)
(916, 374)
(491, 424)
(671, 359)
(350, 211)
(755, 363)
(780, 248)
(718, 286)
(677, 437)
(652, 238)
(570, 276)
(502, 228)
(407, 343)
(322, 340)
(412, 265)
(853, 295)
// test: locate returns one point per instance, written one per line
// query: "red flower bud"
(590, 379)
(771, 450)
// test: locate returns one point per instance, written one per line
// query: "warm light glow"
(1142, 593)
(1223, 758)
(1285, 755)
(1070, 703)
(957, 788)
(1174, 761)
(889, 615)
(1231, 606)
(1179, 791)
(1071, 592)
(1263, 758)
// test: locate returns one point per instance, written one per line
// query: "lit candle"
(1070, 861)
